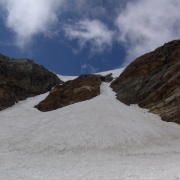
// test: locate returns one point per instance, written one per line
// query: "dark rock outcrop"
(80, 89)
(3, 57)
(153, 82)
(107, 78)
(23, 78)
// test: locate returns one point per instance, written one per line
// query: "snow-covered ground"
(98, 139)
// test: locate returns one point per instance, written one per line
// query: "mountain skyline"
(74, 37)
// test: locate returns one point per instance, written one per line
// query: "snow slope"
(96, 139)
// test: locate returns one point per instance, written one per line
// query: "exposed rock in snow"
(105, 78)
(153, 82)
(23, 78)
(80, 89)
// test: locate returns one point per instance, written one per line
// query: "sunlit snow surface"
(98, 139)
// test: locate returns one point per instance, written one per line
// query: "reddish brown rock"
(80, 89)
(153, 82)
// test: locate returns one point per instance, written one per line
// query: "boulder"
(23, 78)
(153, 81)
(80, 89)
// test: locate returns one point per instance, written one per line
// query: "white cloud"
(146, 24)
(27, 18)
(90, 31)
(142, 24)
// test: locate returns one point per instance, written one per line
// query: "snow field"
(96, 139)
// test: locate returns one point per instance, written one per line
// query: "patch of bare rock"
(107, 78)
(153, 81)
(23, 78)
(80, 89)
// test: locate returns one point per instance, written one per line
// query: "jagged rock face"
(23, 78)
(80, 89)
(153, 82)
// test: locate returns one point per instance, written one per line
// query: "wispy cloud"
(146, 24)
(27, 18)
(92, 32)
(88, 69)
(95, 9)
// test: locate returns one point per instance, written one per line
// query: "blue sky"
(71, 37)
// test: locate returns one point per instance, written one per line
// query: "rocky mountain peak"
(22, 78)
(3, 57)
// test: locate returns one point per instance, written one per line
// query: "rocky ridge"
(83, 88)
(153, 81)
(22, 78)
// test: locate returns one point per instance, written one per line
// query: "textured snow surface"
(98, 139)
